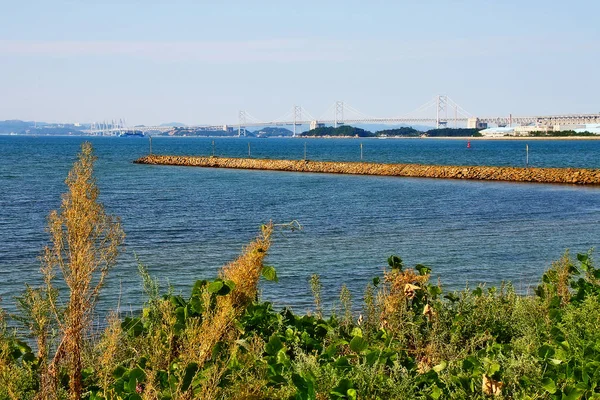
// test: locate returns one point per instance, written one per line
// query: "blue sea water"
(184, 223)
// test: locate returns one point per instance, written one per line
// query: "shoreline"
(460, 137)
(558, 138)
(577, 176)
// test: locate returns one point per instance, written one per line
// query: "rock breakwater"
(577, 176)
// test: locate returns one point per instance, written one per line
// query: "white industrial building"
(526, 130)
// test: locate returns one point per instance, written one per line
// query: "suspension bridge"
(441, 111)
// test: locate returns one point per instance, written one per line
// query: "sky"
(200, 62)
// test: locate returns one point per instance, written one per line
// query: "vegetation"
(349, 131)
(410, 340)
(342, 131)
(452, 132)
(271, 132)
(400, 132)
(562, 134)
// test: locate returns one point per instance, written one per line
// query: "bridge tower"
(297, 117)
(242, 123)
(339, 113)
(442, 110)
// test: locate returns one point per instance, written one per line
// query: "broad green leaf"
(434, 291)
(342, 389)
(356, 331)
(440, 367)
(305, 386)
(198, 287)
(493, 368)
(372, 357)
(215, 286)
(358, 344)
(546, 352)
(436, 392)
(29, 357)
(269, 273)
(549, 385)
(395, 262)
(136, 375)
(197, 304)
(452, 297)
(423, 269)
(274, 345)
(351, 393)
(190, 372)
(572, 393)
(119, 372)
(343, 363)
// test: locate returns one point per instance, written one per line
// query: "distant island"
(350, 131)
(203, 132)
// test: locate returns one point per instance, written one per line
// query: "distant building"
(499, 131)
(474, 123)
(315, 124)
(592, 128)
(528, 129)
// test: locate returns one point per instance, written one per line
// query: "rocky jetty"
(577, 176)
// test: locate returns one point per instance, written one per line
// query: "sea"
(185, 223)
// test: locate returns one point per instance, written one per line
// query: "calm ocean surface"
(184, 223)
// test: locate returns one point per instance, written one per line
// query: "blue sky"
(200, 62)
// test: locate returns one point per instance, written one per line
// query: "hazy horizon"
(154, 62)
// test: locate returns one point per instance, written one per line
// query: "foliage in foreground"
(411, 339)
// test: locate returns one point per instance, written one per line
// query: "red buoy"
(468, 144)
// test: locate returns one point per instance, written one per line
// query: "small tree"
(85, 245)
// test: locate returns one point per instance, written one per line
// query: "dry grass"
(107, 353)
(396, 314)
(563, 275)
(85, 244)
(6, 368)
(398, 287)
(245, 271)
(8, 377)
(316, 287)
(199, 338)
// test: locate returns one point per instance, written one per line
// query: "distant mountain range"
(38, 128)
(43, 128)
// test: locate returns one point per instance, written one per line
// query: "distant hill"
(271, 132)
(15, 126)
(400, 132)
(187, 131)
(38, 128)
(341, 131)
(456, 132)
(351, 131)
(383, 127)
